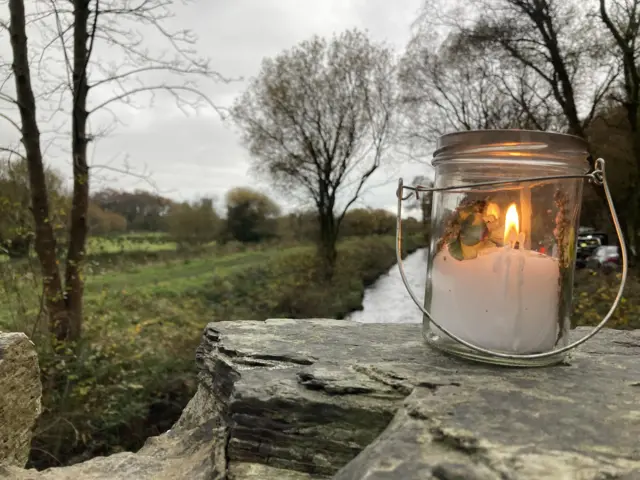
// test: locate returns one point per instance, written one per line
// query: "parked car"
(587, 244)
(606, 257)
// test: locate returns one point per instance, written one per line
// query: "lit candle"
(505, 299)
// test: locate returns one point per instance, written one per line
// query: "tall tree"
(554, 39)
(559, 45)
(318, 120)
(194, 224)
(251, 215)
(461, 84)
(622, 20)
(72, 32)
(545, 35)
(613, 140)
(143, 210)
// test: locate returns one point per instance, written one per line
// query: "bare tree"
(622, 20)
(318, 119)
(461, 85)
(556, 41)
(73, 33)
(613, 140)
(549, 37)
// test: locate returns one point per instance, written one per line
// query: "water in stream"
(387, 300)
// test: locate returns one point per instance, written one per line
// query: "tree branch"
(172, 89)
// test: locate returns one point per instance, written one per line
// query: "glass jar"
(502, 258)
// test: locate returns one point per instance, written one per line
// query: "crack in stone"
(227, 458)
(453, 471)
(248, 362)
(310, 381)
(229, 352)
(282, 358)
(433, 386)
(399, 383)
(262, 359)
(461, 443)
(394, 382)
(212, 335)
(626, 343)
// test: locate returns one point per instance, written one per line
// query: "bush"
(594, 293)
(194, 224)
(287, 285)
(122, 383)
(101, 222)
(251, 215)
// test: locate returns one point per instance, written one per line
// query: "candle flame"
(511, 224)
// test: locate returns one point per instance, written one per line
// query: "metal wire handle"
(597, 176)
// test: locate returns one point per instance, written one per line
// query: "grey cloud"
(197, 155)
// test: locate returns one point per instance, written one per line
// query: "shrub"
(194, 224)
(287, 285)
(120, 384)
(594, 294)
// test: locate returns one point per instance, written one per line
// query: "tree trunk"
(45, 243)
(327, 252)
(630, 231)
(426, 216)
(74, 285)
(632, 234)
(625, 40)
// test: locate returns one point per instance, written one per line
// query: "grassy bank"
(143, 242)
(132, 373)
(594, 293)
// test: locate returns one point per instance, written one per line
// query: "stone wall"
(20, 392)
(320, 399)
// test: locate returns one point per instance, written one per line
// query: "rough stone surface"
(319, 399)
(188, 454)
(20, 392)
(580, 421)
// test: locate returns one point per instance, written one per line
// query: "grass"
(131, 242)
(132, 373)
(140, 242)
(175, 277)
(594, 293)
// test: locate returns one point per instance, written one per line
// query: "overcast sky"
(201, 155)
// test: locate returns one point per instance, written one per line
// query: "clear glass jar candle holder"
(501, 261)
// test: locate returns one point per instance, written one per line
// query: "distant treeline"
(245, 215)
(248, 216)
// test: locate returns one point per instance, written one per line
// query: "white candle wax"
(505, 299)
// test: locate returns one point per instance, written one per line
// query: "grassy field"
(175, 277)
(170, 278)
(145, 242)
(132, 373)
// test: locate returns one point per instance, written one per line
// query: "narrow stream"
(387, 300)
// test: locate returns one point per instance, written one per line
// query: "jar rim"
(539, 145)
